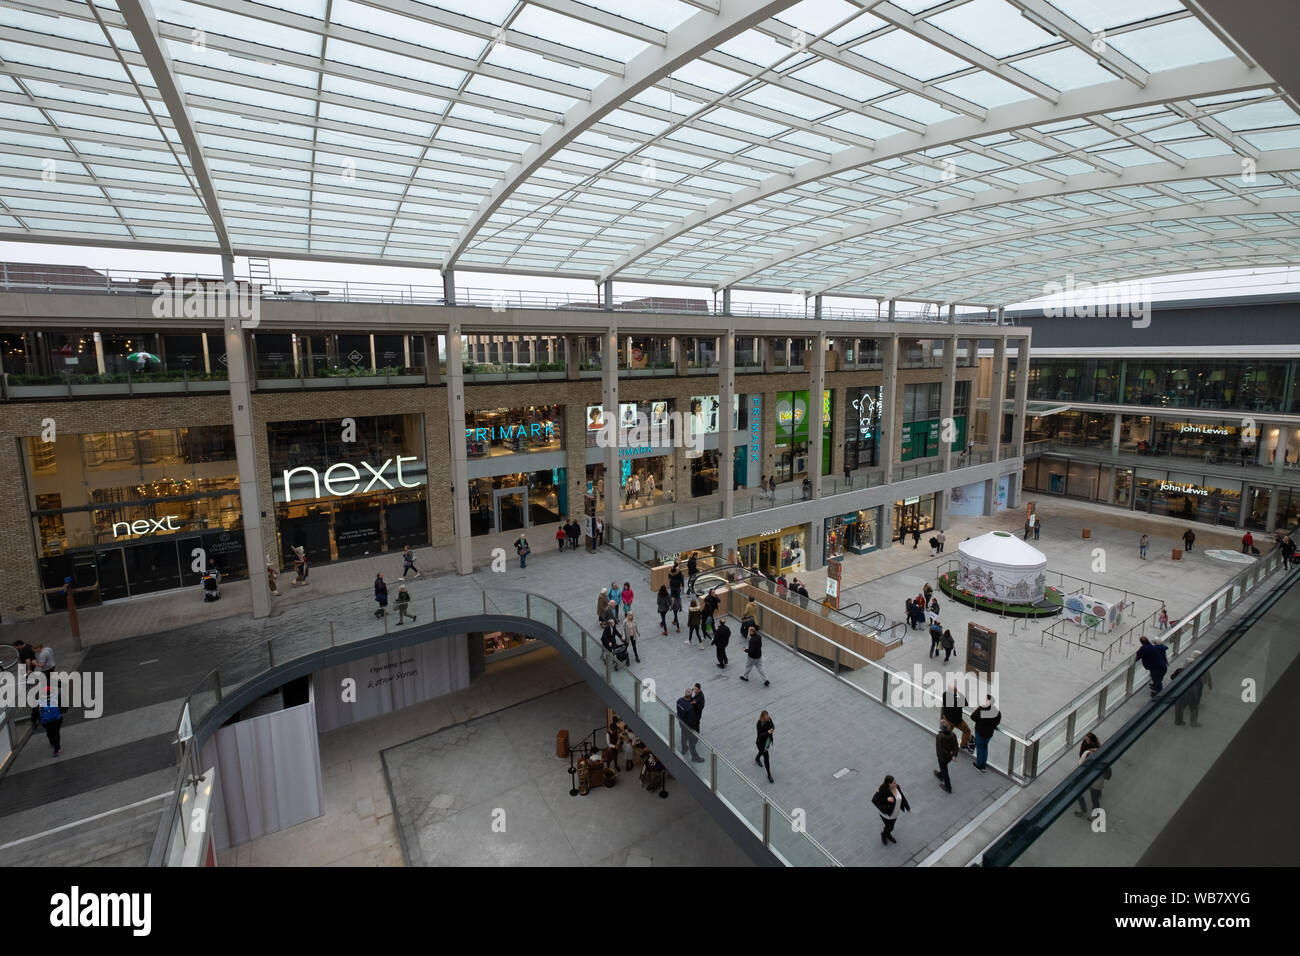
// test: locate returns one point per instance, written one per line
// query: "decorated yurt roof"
(1002, 548)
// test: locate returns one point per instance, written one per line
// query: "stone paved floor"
(451, 786)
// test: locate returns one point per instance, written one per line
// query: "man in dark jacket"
(986, 717)
(1152, 657)
(381, 595)
(945, 748)
(675, 580)
(708, 607)
(692, 571)
(697, 698)
(1190, 698)
(953, 706)
(755, 652)
(721, 638)
(688, 721)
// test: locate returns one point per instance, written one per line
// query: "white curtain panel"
(268, 775)
(389, 681)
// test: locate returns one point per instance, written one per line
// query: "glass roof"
(950, 150)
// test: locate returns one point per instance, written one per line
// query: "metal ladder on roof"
(259, 271)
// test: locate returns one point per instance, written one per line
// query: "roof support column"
(256, 553)
(449, 291)
(816, 396)
(817, 307)
(726, 428)
(611, 433)
(726, 301)
(459, 454)
(996, 392)
(891, 417)
(1022, 397)
(947, 399)
(891, 310)
(608, 296)
(1002, 314)
(952, 314)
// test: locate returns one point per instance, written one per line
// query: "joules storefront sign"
(344, 479)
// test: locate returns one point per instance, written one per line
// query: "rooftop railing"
(132, 282)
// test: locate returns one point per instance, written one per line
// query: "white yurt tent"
(1001, 566)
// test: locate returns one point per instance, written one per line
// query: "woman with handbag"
(663, 604)
(764, 730)
(889, 803)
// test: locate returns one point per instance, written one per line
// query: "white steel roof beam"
(1045, 16)
(702, 32)
(1215, 167)
(1208, 79)
(140, 20)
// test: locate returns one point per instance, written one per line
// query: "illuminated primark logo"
(209, 299)
(508, 432)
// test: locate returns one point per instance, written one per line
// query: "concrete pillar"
(990, 497)
(432, 373)
(572, 359)
(1116, 429)
(816, 388)
(1021, 397)
(1279, 457)
(449, 292)
(947, 399)
(817, 306)
(459, 454)
(608, 298)
(726, 302)
(726, 433)
(890, 414)
(1270, 519)
(257, 544)
(679, 356)
(609, 399)
(769, 355)
(952, 314)
(995, 398)
(1002, 312)
(891, 310)
(839, 406)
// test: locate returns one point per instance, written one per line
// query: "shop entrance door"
(510, 508)
(110, 567)
(905, 518)
(769, 555)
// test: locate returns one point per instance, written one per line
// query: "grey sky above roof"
(969, 150)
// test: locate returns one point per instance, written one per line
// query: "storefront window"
(512, 431)
(854, 532)
(348, 492)
(1188, 498)
(775, 552)
(861, 427)
(502, 644)
(794, 415)
(913, 514)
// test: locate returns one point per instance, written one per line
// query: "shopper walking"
(675, 580)
(764, 730)
(609, 644)
(945, 748)
(1038, 527)
(942, 539)
(408, 561)
(626, 595)
(1029, 526)
(1154, 658)
(1144, 542)
(615, 595)
(402, 602)
(572, 531)
(381, 595)
(697, 698)
(948, 644)
(848, 476)
(986, 718)
(1189, 536)
(663, 604)
(708, 608)
(692, 572)
(936, 638)
(602, 607)
(49, 717)
(630, 633)
(1190, 697)
(1087, 748)
(1247, 542)
(916, 536)
(954, 705)
(693, 623)
(677, 609)
(755, 652)
(889, 803)
(561, 536)
(721, 638)
(1162, 619)
(300, 565)
(688, 724)
(600, 531)
(44, 660)
(523, 550)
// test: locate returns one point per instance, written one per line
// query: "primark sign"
(344, 479)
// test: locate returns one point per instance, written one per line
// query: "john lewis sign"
(344, 479)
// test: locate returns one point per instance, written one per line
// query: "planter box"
(213, 386)
(38, 391)
(155, 388)
(114, 389)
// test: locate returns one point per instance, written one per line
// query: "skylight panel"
(911, 55)
(984, 89)
(842, 80)
(1167, 46)
(993, 27)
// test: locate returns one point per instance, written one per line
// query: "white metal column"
(459, 453)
